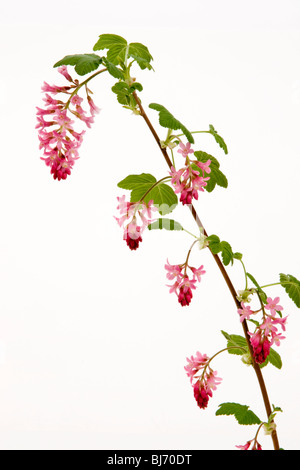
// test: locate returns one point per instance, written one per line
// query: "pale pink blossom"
(185, 150)
(245, 312)
(273, 306)
(198, 272)
(64, 71)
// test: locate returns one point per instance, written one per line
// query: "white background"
(92, 345)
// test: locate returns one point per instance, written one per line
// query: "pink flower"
(61, 144)
(204, 166)
(201, 394)
(195, 364)
(174, 271)
(185, 295)
(93, 108)
(185, 150)
(198, 273)
(261, 346)
(245, 312)
(273, 306)
(64, 71)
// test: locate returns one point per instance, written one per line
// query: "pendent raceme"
(60, 144)
(266, 333)
(187, 181)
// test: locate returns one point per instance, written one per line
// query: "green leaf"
(133, 181)
(116, 46)
(118, 49)
(214, 243)
(167, 224)
(291, 286)
(227, 253)
(275, 359)
(166, 119)
(162, 195)
(123, 93)
(84, 63)
(218, 138)
(241, 413)
(236, 341)
(217, 246)
(215, 176)
(141, 54)
(113, 69)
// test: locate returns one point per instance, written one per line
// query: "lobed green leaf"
(242, 413)
(162, 195)
(118, 49)
(291, 286)
(216, 246)
(218, 138)
(166, 119)
(84, 63)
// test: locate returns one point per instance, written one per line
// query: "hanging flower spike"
(187, 181)
(266, 333)
(129, 211)
(204, 385)
(60, 145)
(183, 285)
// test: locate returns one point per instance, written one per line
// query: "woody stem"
(223, 272)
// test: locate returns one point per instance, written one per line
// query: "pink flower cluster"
(255, 446)
(266, 334)
(128, 212)
(187, 181)
(61, 144)
(204, 384)
(183, 284)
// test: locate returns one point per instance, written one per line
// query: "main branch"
(224, 274)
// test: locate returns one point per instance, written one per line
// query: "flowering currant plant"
(189, 173)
